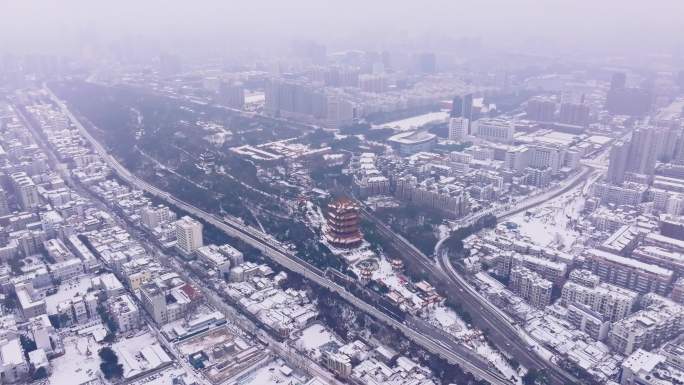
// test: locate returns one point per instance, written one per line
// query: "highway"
(272, 249)
(496, 326)
(487, 317)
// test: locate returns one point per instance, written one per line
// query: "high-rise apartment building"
(574, 113)
(167, 298)
(645, 146)
(4, 206)
(540, 109)
(618, 81)
(623, 100)
(642, 151)
(530, 286)
(617, 164)
(551, 270)
(339, 113)
(467, 108)
(612, 302)
(232, 94)
(426, 63)
(373, 83)
(462, 107)
(153, 216)
(188, 235)
(458, 128)
(25, 190)
(678, 291)
(659, 321)
(456, 107)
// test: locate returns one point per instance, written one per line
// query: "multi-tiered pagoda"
(343, 224)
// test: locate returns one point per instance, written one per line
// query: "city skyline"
(342, 193)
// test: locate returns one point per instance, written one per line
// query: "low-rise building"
(212, 256)
(167, 298)
(13, 365)
(77, 310)
(650, 368)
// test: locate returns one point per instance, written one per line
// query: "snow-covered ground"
(67, 290)
(415, 121)
(314, 337)
(256, 97)
(271, 374)
(314, 215)
(80, 362)
(551, 225)
(395, 281)
(165, 377)
(448, 320)
(499, 361)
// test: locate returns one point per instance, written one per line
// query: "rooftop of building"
(412, 137)
(631, 263)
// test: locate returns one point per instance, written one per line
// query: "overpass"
(498, 327)
(502, 329)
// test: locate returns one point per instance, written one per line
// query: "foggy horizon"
(545, 27)
(318, 192)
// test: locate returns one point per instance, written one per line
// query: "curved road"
(488, 317)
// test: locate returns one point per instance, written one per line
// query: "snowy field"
(387, 275)
(499, 361)
(67, 290)
(271, 374)
(314, 337)
(551, 225)
(256, 97)
(164, 377)
(79, 364)
(415, 121)
(448, 320)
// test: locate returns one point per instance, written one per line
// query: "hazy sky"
(48, 25)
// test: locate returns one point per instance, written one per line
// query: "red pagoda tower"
(343, 224)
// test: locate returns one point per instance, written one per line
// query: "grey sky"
(48, 25)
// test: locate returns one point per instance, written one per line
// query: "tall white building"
(188, 235)
(617, 165)
(339, 112)
(661, 320)
(546, 156)
(495, 130)
(458, 129)
(531, 286)
(4, 208)
(25, 190)
(517, 158)
(613, 302)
